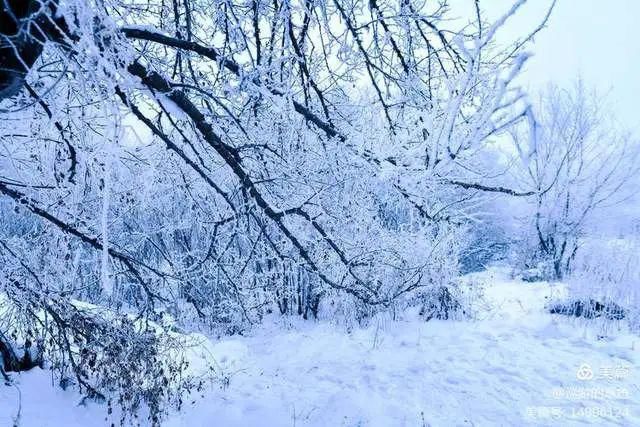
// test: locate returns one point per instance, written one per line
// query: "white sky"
(592, 39)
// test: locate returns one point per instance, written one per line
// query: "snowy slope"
(516, 365)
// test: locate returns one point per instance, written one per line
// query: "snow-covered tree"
(579, 165)
(217, 161)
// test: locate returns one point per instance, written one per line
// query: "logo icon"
(585, 372)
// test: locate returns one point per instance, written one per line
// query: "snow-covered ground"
(514, 365)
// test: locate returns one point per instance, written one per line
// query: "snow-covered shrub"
(603, 283)
(131, 364)
(440, 303)
(540, 272)
(487, 244)
(434, 285)
(608, 271)
(589, 309)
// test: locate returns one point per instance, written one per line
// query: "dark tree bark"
(10, 361)
(25, 25)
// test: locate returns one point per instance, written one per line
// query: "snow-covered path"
(515, 366)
